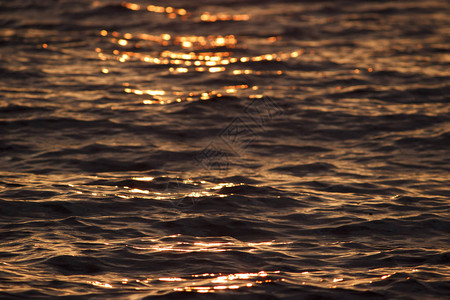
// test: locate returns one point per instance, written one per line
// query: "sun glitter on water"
(182, 55)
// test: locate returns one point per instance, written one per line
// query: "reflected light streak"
(233, 281)
(207, 17)
(177, 96)
(171, 279)
(189, 247)
(173, 13)
(139, 191)
(320, 278)
(169, 11)
(100, 284)
(195, 56)
(143, 178)
(217, 282)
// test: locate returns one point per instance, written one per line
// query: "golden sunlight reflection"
(177, 245)
(187, 54)
(172, 13)
(168, 189)
(322, 279)
(211, 282)
(167, 97)
(199, 283)
(207, 17)
(170, 279)
(147, 178)
(182, 188)
(100, 284)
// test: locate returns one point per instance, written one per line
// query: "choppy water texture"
(224, 149)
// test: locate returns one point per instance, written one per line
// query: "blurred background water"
(224, 149)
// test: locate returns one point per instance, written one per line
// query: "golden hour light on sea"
(163, 97)
(225, 184)
(207, 17)
(122, 42)
(171, 12)
(100, 284)
(195, 55)
(171, 279)
(317, 278)
(196, 42)
(143, 178)
(210, 246)
(168, 97)
(210, 283)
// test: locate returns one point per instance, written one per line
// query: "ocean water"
(224, 149)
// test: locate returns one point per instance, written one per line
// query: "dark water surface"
(224, 149)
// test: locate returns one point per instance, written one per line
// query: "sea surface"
(224, 149)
